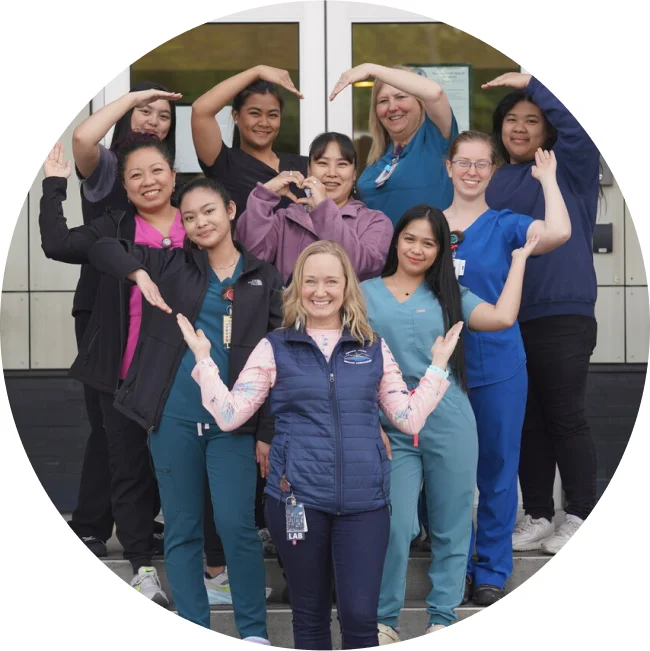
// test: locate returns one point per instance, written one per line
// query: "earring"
(346, 318)
(298, 323)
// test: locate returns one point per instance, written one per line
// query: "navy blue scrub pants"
(352, 548)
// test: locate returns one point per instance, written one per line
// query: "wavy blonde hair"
(380, 137)
(354, 315)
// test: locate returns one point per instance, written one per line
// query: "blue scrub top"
(487, 251)
(409, 329)
(184, 401)
(420, 175)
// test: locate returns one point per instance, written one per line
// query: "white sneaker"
(435, 627)
(529, 533)
(146, 582)
(563, 534)
(257, 640)
(218, 589)
(387, 634)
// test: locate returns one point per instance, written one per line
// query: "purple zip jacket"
(279, 237)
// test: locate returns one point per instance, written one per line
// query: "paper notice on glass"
(456, 80)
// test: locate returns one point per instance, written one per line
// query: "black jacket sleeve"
(59, 242)
(119, 258)
(265, 427)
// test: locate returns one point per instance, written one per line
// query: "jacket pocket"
(91, 343)
(383, 458)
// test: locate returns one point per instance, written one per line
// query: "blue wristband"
(439, 371)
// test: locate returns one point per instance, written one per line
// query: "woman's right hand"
(442, 349)
(279, 77)
(281, 184)
(518, 80)
(144, 97)
(197, 342)
(149, 289)
(54, 165)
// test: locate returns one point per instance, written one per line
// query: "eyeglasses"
(463, 163)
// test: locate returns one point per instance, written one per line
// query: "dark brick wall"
(50, 416)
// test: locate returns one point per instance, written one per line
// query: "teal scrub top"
(487, 251)
(409, 329)
(420, 176)
(184, 401)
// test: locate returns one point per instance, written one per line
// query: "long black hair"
(123, 125)
(503, 108)
(439, 278)
(261, 87)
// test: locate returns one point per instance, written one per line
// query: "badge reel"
(296, 521)
(459, 265)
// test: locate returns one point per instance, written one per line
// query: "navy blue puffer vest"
(327, 441)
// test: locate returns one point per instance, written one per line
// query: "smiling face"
(259, 120)
(417, 248)
(399, 112)
(335, 173)
(153, 118)
(322, 291)
(471, 181)
(523, 131)
(207, 220)
(148, 179)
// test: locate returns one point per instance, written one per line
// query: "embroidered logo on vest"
(357, 357)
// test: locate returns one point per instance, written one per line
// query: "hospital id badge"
(296, 521)
(459, 267)
(227, 331)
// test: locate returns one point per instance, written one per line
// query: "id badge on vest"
(296, 520)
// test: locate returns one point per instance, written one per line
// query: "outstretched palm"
(54, 164)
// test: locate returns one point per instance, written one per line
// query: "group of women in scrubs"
(418, 226)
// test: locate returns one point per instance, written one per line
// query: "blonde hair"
(354, 315)
(380, 137)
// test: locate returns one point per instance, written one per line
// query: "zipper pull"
(331, 384)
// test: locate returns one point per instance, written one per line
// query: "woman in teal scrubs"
(496, 362)
(414, 301)
(412, 125)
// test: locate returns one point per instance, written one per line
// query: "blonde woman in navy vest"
(327, 493)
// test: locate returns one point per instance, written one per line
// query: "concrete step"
(413, 622)
(417, 581)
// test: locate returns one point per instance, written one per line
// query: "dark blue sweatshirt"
(562, 281)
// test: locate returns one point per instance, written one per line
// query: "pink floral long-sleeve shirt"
(407, 410)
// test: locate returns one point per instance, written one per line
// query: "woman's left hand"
(545, 165)
(262, 457)
(197, 342)
(527, 249)
(358, 73)
(518, 80)
(386, 440)
(317, 192)
(55, 165)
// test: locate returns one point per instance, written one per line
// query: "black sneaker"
(96, 546)
(468, 593)
(486, 595)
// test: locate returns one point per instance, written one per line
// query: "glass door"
(359, 33)
(288, 36)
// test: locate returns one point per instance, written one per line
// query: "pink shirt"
(145, 234)
(408, 411)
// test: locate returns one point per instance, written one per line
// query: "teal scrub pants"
(183, 452)
(446, 460)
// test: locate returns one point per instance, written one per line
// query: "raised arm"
(436, 103)
(575, 149)
(206, 133)
(409, 410)
(259, 226)
(486, 317)
(59, 242)
(231, 409)
(86, 137)
(555, 228)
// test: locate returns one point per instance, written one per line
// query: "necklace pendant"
(167, 242)
(407, 293)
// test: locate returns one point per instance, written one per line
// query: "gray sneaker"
(267, 542)
(146, 582)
